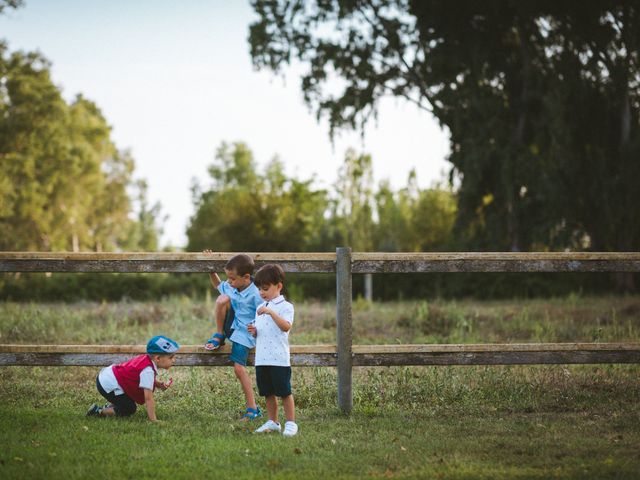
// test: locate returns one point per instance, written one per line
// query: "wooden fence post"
(344, 330)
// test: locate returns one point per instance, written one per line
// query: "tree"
(5, 4)
(245, 211)
(145, 231)
(433, 219)
(414, 220)
(353, 205)
(31, 130)
(393, 229)
(504, 78)
(63, 183)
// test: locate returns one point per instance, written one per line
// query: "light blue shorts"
(239, 354)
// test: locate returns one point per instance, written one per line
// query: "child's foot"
(215, 342)
(251, 414)
(268, 427)
(290, 429)
(94, 411)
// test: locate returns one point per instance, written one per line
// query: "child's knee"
(239, 369)
(223, 301)
(126, 410)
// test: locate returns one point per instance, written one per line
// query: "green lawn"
(411, 422)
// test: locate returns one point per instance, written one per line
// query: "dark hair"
(241, 263)
(269, 274)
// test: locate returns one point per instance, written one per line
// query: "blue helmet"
(162, 344)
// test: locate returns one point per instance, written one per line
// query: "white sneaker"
(290, 429)
(268, 426)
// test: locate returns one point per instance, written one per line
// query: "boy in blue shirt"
(240, 294)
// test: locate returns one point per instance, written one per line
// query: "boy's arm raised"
(213, 276)
(150, 403)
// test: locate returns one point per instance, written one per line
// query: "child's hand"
(164, 385)
(264, 310)
(252, 329)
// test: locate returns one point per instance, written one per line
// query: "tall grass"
(591, 319)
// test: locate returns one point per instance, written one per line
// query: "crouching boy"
(126, 384)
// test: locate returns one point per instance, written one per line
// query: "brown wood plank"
(511, 256)
(374, 262)
(156, 262)
(167, 256)
(325, 355)
(453, 262)
(321, 349)
(497, 358)
(138, 349)
(492, 347)
(188, 359)
(330, 359)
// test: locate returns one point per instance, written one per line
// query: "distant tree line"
(246, 209)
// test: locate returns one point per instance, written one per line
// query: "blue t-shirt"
(245, 304)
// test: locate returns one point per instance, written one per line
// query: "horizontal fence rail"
(326, 355)
(495, 262)
(157, 262)
(376, 262)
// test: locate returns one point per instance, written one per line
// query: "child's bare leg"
(223, 303)
(272, 407)
(289, 408)
(245, 381)
(107, 412)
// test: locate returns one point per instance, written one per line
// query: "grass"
(408, 422)
(572, 319)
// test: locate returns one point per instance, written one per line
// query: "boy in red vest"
(126, 384)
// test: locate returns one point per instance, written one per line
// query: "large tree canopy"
(541, 99)
(63, 183)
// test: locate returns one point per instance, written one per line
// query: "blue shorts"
(273, 380)
(239, 354)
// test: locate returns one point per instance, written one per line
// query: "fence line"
(344, 355)
(375, 262)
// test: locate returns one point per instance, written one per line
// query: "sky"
(174, 80)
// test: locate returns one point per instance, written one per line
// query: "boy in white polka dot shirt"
(273, 365)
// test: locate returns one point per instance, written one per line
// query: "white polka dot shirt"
(272, 344)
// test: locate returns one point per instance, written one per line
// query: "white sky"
(174, 80)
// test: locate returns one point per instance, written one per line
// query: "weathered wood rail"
(344, 355)
(327, 355)
(325, 262)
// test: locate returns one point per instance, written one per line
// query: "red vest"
(128, 376)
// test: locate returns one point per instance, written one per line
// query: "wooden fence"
(343, 355)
